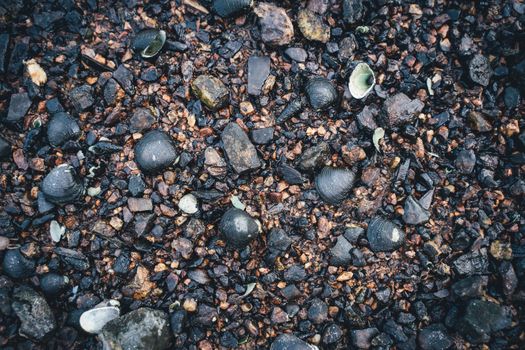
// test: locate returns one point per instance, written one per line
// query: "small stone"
(36, 317)
(291, 292)
(314, 157)
(155, 152)
(353, 154)
(125, 78)
(366, 118)
(188, 204)
(4, 45)
(238, 227)
(262, 136)
(473, 263)
(258, 72)
(278, 243)
(361, 338)
(211, 91)
(18, 55)
(17, 266)
(290, 174)
(434, 337)
(238, 148)
(52, 284)
(215, 164)
(478, 122)
(295, 273)
(340, 252)
(414, 213)
(82, 98)
(150, 75)
(470, 287)
(246, 108)
(508, 278)
(183, 246)
(110, 91)
(383, 235)
(312, 26)
(318, 311)
(75, 259)
(479, 70)
(400, 109)
(62, 128)
(501, 250)
(136, 185)
(353, 11)
(466, 161)
(332, 334)
(18, 107)
(276, 26)
(298, 54)
(279, 316)
(102, 228)
(141, 120)
(481, 319)
(512, 97)
(178, 320)
(291, 342)
(347, 47)
(353, 233)
(318, 6)
(143, 328)
(140, 204)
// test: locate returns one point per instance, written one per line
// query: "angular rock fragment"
(262, 136)
(82, 98)
(125, 78)
(258, 72)
(276, 26)
(481, 319)
(18, 56)
(473, 263)
(62, 128)
(110, 91)
(4, 44)
(478, 122)
(36, 318)
(314, 157)
(340, 252)
(17, 266)
(5, 149)
(466, 161)
(215, 164)
(141, 120)
(353, 11)
(414, 213)
(18, 107)
(140, 204)
(211, 91)
(238, 148)
(479, 70)
(400, 109)
(361, 338)
(434, 337)
(312, 26)
(278, 243)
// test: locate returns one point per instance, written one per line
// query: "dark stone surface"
(414, 213)
(238, 227)
(62, 128)
(258, 72)
(5, 149)
(141, 120)
(36, 318)
(238, 148)
(155, 152)
(290, 342)
(297, 54)
(481, 319)
(434, 337)
(82, 98)
(18, 107)
(400, 109)
(479, 70)
(340, 252)
(17, 266)
(314, 157)
(262, 136)
(125, 78)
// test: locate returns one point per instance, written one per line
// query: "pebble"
(276, 26)
(472, 263)
(295, 273)
(211, 91)
(150, 75)
(353, 11)
(278, 243)
(361, 338)
(479, 70)
(347, 47)
(110, 91)
(178, 320)
(469, 287)
(18, 107)
(238, 227)
(75, 259)
(353, 233)
(241, 153)
(18, 55)
(508, 278)
(62, 128)
(511, 97)
(318, 311)
(279, 316)
(215, 164)
(298, 54)
(17, 266)
(52, 284)
(478, 122)
(258, 72)
(140, 204)
(314, 157)
(291, 342)
(312, 26)
(36, 318)
(434, 337)
(155, 152)
(125, 78)
(143, 328)
(466, 161)
(141, 120)
(82, 98)
(400, 109)
(383, 235)
(4, 44)
(481, 319)
(340, 252)
(290, 174)
(414, 213)
(262, 136)
(188, 204)
(136, 185)
(332, 334)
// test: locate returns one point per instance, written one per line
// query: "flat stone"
(473, 263)
(141, 120)
(140, 204)
(347, 47)
(366, 118)
(479, 70)
(82, 97)
(469, 287)
(46, 20)
(215, 164)
(414, 213)
(5, 149)
(276, 26)
(18, 107)
(142, 329)
(481, 319)
(136, 185)
(75, 259)
(298, 54)
(211, 91)
(290, 174)
(262, 136)
(125, 78)
(332, 334)
(258, 72)
(400, 109)
(511, 97)
(18, 56)
(312, 26)
(36, 318)
(238, 148)
(295, 273)
(318, 6)
(110, 91)
(291, 342)
(278, 243)
(318, 311)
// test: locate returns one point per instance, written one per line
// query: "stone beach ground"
(195, 174)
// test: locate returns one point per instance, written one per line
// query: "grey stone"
(238, 148)
(125, 78)
(361, 338)
(466, 161)
(258, 72)
(290, 342)
(314, 157)
(414, 213)
(82, 97)
(469, 287)
(400, 109)
(36, 318)
(340, 252)
(479, 70)
(276, 26)
(297, 54)
(18, 107)
(353, 11)
(262, 136)
(434, 337)
(481, 319)
(141, 120)
(211, 91)
(473, 263)
(17, 266)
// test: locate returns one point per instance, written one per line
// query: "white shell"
(92, 321)
(359, 83)
(188, 204)
(56, 231)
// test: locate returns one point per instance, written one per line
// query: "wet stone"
(347, 47)
(291, 292)
(353, 11)
(18, 55)
(262, 136)
(478, 122)
(155, 152)
(295, 273)
(141, 120)
(76, 260)
(332, 334)
(297, 54)
(62, 128)
(290, 342)
(143, 328)
(340, 252)
(110, 91)
(479, 70)
(352, 234)
(414, 213)
(18, 107)
(312, 26)
(434, 337)
(278, 243)
(150, 75)
(470, 287)
(238, 227)
(473, 263)
(17, 266)
(481, 319)
(276, 27)
(466, 161)
(4, 44)
(125, 78)
(46, 20)
(290, 174)
(400, 109)
(318, 311)
(36, 318)
(279, 316)
(238, 148)
(314, 157)
(82, 98)
(211, 91)
(258, 72)
(136, 185)
(52, 284)
(361, 338)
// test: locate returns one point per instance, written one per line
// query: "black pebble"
(17, 266)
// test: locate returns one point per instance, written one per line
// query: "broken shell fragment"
(149, 42)
(334, 184)
(62, 185)
(321, 93)
(36, 73)
(229, 8)
(238, 227)
(362, 81)
(92, 321)
(62, 128)
(155, 152)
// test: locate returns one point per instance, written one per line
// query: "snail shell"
(321, 93)
(149, 42)
(228, 8)
(155, 152)
(62, 128)
(334, 184)
(383, 235)
(362, 81)
(62, 185)
(238, 227)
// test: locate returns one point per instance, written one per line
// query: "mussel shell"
(362, 81)
(334, 184)
(62, 128)
(383, 235)
(321, 93)
(238, 227)
(227, 8)
(149, 42)
(155, 152)
(62, 185)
